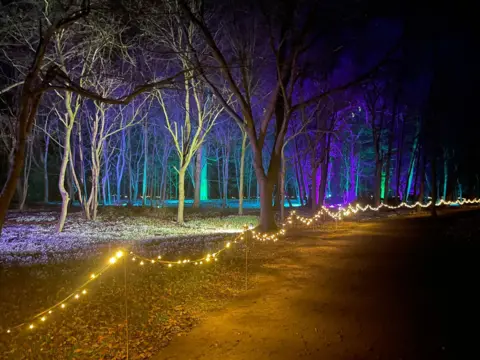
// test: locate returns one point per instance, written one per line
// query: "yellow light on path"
(93, 276)
(112, 260)
(119, 254)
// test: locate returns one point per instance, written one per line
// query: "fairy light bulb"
(119, 254)
(77, 296)
(9, 331)
(159, 257)
(228, 244)
(49, 311)
(133, 259)
(93, 276)
(170, 265)
(112, 260)
(31, 326)
(84, 291)
(153, 261)
(141, 262)
(62, 306)
(43, 318)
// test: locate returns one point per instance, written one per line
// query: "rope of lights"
(350, 210)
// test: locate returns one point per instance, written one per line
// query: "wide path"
(394, 289)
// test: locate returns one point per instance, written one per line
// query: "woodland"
(290, 103)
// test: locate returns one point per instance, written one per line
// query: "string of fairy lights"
(81, 292)
(352, 210)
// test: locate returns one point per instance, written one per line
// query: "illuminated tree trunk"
(226, 163)
(61, 179)
(399, 158)
(45, 170)
(433, 207)
(198, 178)
(445, 173)
(120, 166)
(313, 191)
(145, 163)
(281, 188)
(324, 171)
(181, 195)
(242, 174)
(411, 169)
(421, 194)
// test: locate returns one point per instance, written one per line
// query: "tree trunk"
(225, 175)
(445, 173)
(145, 164)
(411, 169)
(61, 180)
(45, 170)
(281, 189)
(181, 195)
(313, 191)
(28, 110)
(267, 220)
(324, 174)
(242, 173)
(433, 207)
(197, 178)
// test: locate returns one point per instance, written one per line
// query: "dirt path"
(380, 292)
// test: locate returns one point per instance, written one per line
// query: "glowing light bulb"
(133, 259)
(153, 261)
(141, 262)
(184, 261)
(8, 331)
(207, 259)
(228, 244)
(49, 311)
(159, 257)
(201, 262)
(84, 291)
(119, 254)
(31, 326)
(169, 265)
(62, 306)
(179, 261)
(43, 318)
(77, 296)
(93, 276)
(112, 260)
